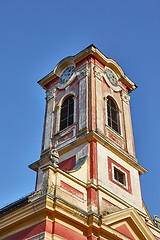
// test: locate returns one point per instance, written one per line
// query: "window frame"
(113, 115)
(68, 113)
(111, 175)
(116, 175)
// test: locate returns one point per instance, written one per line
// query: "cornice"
(130, 215)
(115, 197)
(111, 233)
(89, 51)
(88, 137)
(25, 213)
(50, 207)
(70, 211)
(66, 174)
(131, 160)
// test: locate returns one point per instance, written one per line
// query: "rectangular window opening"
(119, 176)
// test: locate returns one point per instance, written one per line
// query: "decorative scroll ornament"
(50, 93)
(54, 157)
(98, 73)
(156, 220)
(125, 97)
(82, 73)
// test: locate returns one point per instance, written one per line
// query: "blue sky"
(34, 36)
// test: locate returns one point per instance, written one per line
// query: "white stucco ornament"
(157, 221)
(125, 97)
(82, 72)
(50, 94)
(98, 73)
(111, 79)
(66, 77)
(54, 157)
(111, 76)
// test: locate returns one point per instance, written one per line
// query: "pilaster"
(48, 127)
(98, 73)
(128, 123)
(82, 105)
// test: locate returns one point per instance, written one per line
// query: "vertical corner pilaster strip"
(82, 77)
(49, 180)
(128, 123)
(48, 128)
(92, 98)
(92, 194)
(98, 74)
(93, 160)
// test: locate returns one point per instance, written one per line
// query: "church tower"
(87, 184)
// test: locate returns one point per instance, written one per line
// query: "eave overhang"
(89, 51)
(131, 160)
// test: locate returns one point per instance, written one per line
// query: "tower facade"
(87, 184)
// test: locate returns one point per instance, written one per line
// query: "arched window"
(67, 113)
(113, 115)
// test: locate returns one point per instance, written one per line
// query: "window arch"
(113, 115)
(67, 113)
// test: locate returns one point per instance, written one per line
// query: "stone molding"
(98, 72)
(50, 94)
(125, 97)
(82, 72)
